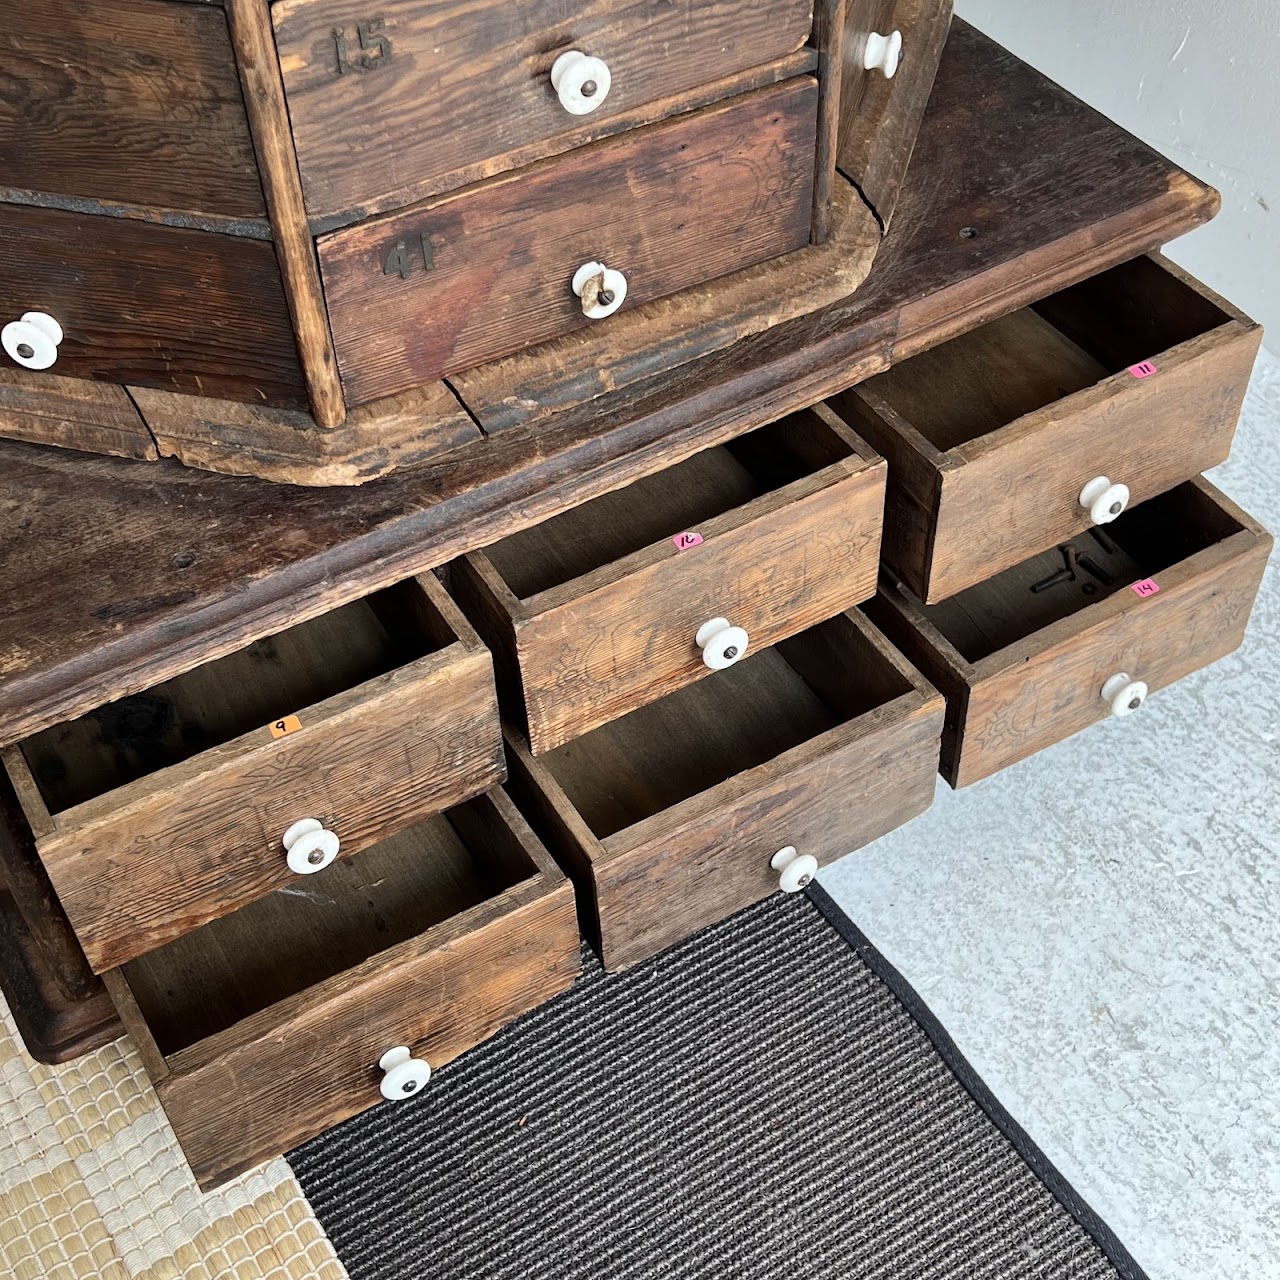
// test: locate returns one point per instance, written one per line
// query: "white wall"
(1199, 80)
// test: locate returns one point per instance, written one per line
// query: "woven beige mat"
(93, 1185)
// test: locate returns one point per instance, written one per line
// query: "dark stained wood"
(669, 817)
(1054, 192)
(250, 25)
(286, 446)
(168, 809)
(450, 91)
(879, 118)
(73, 413)
(598, 608)
(123, 292)
(1006, 424)
(657, 337)
(1023, 669)
(720, 190)
(444, 935)
(828, 37)
(135, 102)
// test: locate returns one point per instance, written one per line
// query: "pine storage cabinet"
(266, 1027)
(160, 812)
(1072, 636)
(1024, 432)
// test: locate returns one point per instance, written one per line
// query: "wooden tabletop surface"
(117, 574)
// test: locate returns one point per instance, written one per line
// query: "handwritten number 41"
(402, 261)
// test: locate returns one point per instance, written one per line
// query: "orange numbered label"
(281, 728)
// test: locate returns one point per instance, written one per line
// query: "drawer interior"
(659, 506)
(292, 939)
(705, 733)
(1096, 564)
(983, 380)
(277, 676)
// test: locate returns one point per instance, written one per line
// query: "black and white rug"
(769, 1099)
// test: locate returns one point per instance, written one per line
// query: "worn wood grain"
(828, 37)
(1054, 191)
(135, 102)
(1023, 686)
(123, 290)
(302, 1063)
(250, 25)
(72, 413)
(595, 637)
(437, 93)
(488, 271)
(668, 833)
(880, 118)
(152, 840)
(1025, 417)
(287, 447)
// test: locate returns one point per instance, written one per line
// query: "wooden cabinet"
(163, 811)
(672, 817)
(1134, 378)
(598, 611)
(265, 1027)
(1075, 635)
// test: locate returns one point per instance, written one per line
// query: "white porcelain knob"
(798, 869)
(581, 82)
(403, 1076)
(883, 53)
(722, 645)
(310, 846)
(32, 341)
(1103, 500)
(1124, 694)
(601, 289)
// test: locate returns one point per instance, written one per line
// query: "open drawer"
(266, 1027)
(162, 811)
(1015, 437)
(673, 817)
(598, 610)
(1071, 636)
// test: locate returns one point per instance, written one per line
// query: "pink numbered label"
(1147, 587)
(1144, 370)
(684, 541)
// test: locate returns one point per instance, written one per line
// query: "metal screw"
(315, 857)
(409, 1086)
(1117, 508)
(1135, 704)
(731, 652)
(590, 89)
(25, 351)
(605, 297)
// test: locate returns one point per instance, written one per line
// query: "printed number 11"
(402, 261)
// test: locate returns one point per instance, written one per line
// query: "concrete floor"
(1099, 930)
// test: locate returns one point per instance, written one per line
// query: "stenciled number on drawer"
(404, 256)
(282, 728)
(374, 47)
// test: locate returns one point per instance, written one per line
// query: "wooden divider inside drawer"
(669, 819)
(1023, 659)
(594, 613)
(165, 810)
(264, 1028)
(1136, 375)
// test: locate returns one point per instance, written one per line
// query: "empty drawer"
(606, 607)
(692, 808)
(266, 1027)
(1071, 636)
(162, 811)
(1019, 435)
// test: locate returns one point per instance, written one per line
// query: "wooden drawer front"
(365, 719)
(1023, 668)
(992, 437)
(465, 279)
(669, 818)
(595, 612)
(265, 1028)
(415, 97)
(133, 102)
(153, 306)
